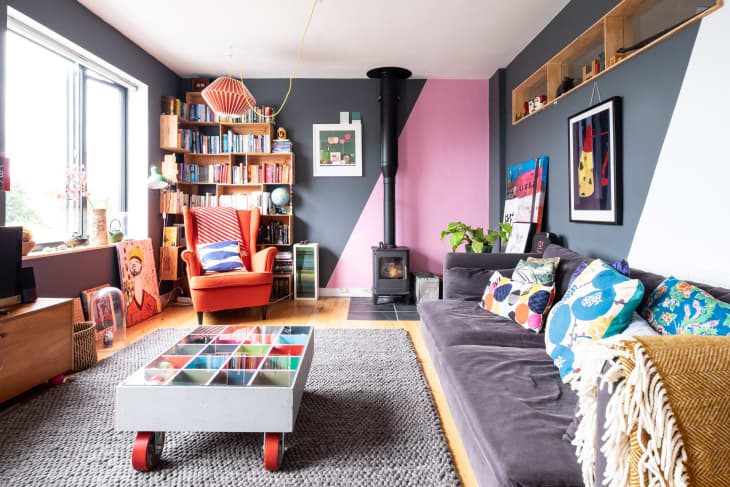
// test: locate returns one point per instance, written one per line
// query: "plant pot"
(27, 247)
(485, 250)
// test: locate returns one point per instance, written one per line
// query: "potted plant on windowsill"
(477, 240)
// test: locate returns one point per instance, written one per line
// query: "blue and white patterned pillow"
(599, 304)
(220, 257)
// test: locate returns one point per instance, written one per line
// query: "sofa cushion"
(458, 322)
(600, 303)
(540, 271)
(468, 282)
(518, 409)
(231, 279)
(526, 303)
(679, 308)
(220, 256)
(569, 262)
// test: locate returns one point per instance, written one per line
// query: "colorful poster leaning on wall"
(139, 279)
(525, 194)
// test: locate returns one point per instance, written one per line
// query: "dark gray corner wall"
(496, 147)
(648, 84)
(326, 209)
(66, 276)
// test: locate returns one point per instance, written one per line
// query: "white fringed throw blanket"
(668, 421)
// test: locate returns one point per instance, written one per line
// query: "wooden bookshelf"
(620, 27)
(169, 125)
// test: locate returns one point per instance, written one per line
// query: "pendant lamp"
(228, 97)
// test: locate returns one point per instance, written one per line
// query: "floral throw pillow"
(599, 304)
(540, 271)
(679, 308)
(523, 302)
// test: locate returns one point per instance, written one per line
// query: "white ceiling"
(432, 38)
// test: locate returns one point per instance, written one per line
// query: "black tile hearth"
(365, 309)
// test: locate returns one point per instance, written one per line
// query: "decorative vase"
(98, 235)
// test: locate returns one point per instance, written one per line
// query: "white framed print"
(337, 149)
(517, 242)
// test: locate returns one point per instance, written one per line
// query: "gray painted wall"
(326, 209)
(66, 276)
(648, 84)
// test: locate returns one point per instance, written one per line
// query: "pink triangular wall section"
(443, 176)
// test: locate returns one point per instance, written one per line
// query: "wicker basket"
(84, 346)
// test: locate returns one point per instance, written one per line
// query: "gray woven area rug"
(367, 418)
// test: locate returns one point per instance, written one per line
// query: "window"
(66, 139)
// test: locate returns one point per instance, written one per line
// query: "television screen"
(11, 263)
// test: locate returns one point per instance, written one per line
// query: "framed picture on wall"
(594, 137)
(337, 149)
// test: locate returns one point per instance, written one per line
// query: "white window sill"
(86, 248)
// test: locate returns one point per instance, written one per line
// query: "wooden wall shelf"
(613, 31)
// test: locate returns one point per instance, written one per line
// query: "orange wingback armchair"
(230, 290)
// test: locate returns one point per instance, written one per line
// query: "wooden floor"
(324, 313)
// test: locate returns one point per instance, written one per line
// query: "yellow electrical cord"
(296, 67)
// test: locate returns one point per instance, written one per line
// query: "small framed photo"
(595, 164)
(337, 149)
(521, 233)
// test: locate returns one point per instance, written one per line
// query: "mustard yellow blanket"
(668, 421)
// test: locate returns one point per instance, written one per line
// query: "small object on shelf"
(281, 134)
(280, 197)
(587, 73)
(595, 67)
(566, 85)
(98, 235)
(115, 233)
(28, 243)
(531, 105)
(4, 173)
(76, 240)
(199, 84)
(539, 102)
(615, 59)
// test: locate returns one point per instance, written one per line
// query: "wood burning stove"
(390, 262)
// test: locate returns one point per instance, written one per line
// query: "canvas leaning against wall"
(139, 279)
(524, 198)
(595, 151)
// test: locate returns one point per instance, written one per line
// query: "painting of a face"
(135, 266)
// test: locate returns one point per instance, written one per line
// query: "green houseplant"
(476, 239)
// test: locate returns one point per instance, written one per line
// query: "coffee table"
(234, 378)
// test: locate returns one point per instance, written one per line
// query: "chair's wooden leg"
(263, 312)
(200, 317)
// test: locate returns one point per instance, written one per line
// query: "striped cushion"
(220, 256)
(219, 224)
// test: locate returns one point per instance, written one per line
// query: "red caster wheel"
(54, 381)
(273, 451)
(147, 450)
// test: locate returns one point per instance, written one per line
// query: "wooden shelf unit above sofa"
(611, 32)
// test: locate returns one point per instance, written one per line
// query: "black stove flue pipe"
(389, 78)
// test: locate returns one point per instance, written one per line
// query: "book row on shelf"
(198, 112)
(273, 232)
(263, 174)
(194, 141)
(175, 201)
(284, 263)
(233, 142)
(280, 289)
(173, 235)
(213, 173)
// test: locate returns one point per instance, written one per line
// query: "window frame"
(77, 140)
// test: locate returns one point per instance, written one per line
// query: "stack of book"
(273, 233)
(233, 142)
(211, 174)
(281, 146)
(283, 263)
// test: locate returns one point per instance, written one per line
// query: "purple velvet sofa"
(505, 394)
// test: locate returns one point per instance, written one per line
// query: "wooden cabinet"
(36, 344)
